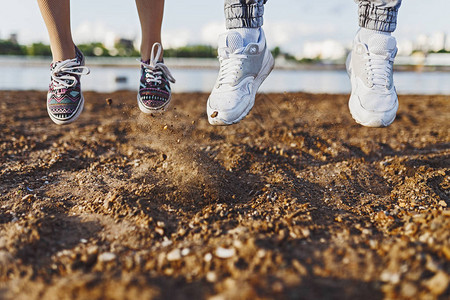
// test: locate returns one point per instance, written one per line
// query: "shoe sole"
(262, 75)
(73, 118)
(366, 117)
(146, 110)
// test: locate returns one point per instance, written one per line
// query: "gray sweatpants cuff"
(244, 15)
(376, 18)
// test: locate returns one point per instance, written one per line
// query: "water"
(35, 76)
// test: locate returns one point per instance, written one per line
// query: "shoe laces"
(155, 70)
(230, 64)
(64, 74)
(380, 68)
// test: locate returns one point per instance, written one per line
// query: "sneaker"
(373, 101)
(154, 92)
(242, 70)
(65, 100)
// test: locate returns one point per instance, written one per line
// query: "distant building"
(437, 41)
(117, 45)
(110, 41)
(328, 50)
(13, 38)
(447, 42)
(125, 43)
(125, 46)
(434, 42)
(421, 43)
(405, 47)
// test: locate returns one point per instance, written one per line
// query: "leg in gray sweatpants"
(378, 15)
(244, 13)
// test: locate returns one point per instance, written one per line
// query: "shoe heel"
(348, 64)
(265, 70)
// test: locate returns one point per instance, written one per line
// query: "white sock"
(365, 34)
(250, 35)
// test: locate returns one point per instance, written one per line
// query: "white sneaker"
(242, 71)
(373, 101)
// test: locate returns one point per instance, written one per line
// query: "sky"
(288, 23)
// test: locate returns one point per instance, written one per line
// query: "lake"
(26, 74)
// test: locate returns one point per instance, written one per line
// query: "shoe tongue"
(234, 41)
(381, 44)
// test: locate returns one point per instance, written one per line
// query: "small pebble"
(261, 253)
(109, 101)
(408, 290)
(174, 255)
(92, 250)
(438, 283)
(106, 257)
(208, 257)
(446, 252)
(277, 287)
(5, 258)
(214, 114)
(166, 242)
(181, 231)
(159, 230)
(390, 277)
(211, 277)
(27, 197)
(225, 253)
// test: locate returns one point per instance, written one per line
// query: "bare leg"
(151, 16)
(56, 14)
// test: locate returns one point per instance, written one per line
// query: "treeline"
(98, 49)
(36, 49)
(440, 51)
(202, 51)
(121, 49)
(125, 48)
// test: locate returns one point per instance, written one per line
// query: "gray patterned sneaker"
(154, 92)
(373, 101)
(243, 68)
(65, 100)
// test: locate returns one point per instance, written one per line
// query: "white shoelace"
(380, 69)
(62, 74)
(154, 70)
(230, 64)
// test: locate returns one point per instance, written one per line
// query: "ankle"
(63, 51)
(250, 35)
(365, 34)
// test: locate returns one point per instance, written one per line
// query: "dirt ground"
(295, 202)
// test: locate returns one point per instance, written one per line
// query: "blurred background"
(310, 42)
